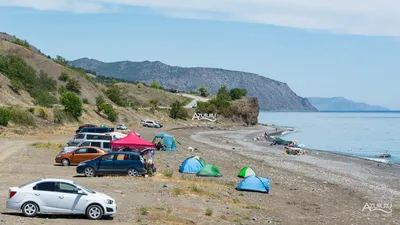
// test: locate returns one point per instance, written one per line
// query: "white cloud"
(361, 17)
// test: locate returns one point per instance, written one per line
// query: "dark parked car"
(83, 126)
(130, 163)
(96, 130)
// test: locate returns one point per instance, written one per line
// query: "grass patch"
(49, 145)
(168, 173)
(247, 218)
(21, 117)
(241, 194)
(176, 191)
(143, 211)
(253, 207)
(209, 211)
(236, 201)
(196, 189)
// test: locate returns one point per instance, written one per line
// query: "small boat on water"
(384, 156)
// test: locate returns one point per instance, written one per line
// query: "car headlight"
(81, 164)
(109, 201)
(59, 155)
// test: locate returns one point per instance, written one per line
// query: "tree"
(203, 91)
(155, 85)
(114, 93)
(72, 104)
(61, 60)
(64, 76)
(73, 85)
(100, 103)
(237, 93)
(16, 85)
(223, 93)
(177, 111)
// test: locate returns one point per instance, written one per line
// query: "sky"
(329, 48)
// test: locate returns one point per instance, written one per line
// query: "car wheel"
(30, 209)
(132, 172)
(89, 172)
(94, 212)
(65, 162)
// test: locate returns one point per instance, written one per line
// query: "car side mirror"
(80, 192)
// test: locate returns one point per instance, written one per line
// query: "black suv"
(130, 163)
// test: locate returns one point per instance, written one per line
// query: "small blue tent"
(168, 141)
(192, 164)
(254, 183)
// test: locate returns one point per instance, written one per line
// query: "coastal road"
(194, 101)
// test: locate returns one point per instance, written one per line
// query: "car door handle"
(61, 197)
(37, 194)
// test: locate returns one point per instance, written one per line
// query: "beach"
(315, 188)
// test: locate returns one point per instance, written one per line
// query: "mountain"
(271, 94)
(342, 104)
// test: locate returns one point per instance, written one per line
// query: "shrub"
(60, 116)
(209, 211)
(110, 112)
(22, 117)
(73, 85)
(61, 60)
(43, 113)
(45, 83)
(155, 85)
(85, 101)
(23, 43)
(62, 89)
(99, 103)
(31, 110)
(176, 191)
(203, 91)
(177, 111)
(237, 93)
(72, 104)
(5, 116)
(43, 98)
(16, 85)
(139, 85)
(143, 211)
(154, 104)
(64, 76)
(114, 94)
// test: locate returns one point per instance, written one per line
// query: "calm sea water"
(358, 134)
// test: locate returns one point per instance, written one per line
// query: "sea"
(358, 134)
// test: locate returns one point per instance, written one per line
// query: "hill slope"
(272, 95)
(343, 104)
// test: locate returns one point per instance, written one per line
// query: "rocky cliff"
(271, 94)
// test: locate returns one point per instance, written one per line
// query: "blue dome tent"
(192, 164)
(168, 141)
(254, 183)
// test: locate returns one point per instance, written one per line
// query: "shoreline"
(376, 182)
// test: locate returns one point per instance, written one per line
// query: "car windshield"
(86, 189)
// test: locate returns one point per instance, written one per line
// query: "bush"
(23, 43)
(73, 85)
(168, 173)
(22, 117)
(110, 112)
(99, 103)
(43, 98)
(177, 111)
(209, 211)
(85, 101)
(31, 110)
(45, 83)
(203, 91)
(72, 104)
(155, 85)
(139, 85)
(154, 104)
(237, 93)
(43, 113)
(5, 116)
(60, 116)
(114, 94)
(61, 60)
(16, 85)
(64, 76)
(62, 89)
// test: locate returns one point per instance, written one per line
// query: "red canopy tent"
(131, 141)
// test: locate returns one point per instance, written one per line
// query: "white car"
(59, 196)
(121, 127)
